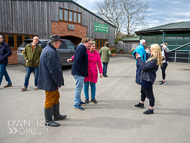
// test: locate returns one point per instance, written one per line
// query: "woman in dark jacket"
(148, 76)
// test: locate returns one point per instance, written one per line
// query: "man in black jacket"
(5, 52)
(80, 70)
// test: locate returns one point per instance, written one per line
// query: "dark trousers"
(105, 65)
(163, 67)
(147, 92)
(138, 72)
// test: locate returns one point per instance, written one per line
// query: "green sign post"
(101, 28)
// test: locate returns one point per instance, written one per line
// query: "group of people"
(84, 70)
(148, 59)
(45, 64)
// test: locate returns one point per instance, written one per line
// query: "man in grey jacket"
(105, 53)
(51, 79)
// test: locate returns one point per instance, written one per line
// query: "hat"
(54, 38)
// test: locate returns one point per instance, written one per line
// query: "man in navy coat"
(80, 70)
(5, 52)
(50, 79)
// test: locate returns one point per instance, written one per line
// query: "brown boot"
(8, 85)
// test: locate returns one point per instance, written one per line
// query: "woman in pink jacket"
(94, 61)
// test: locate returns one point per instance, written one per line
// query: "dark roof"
(46, 0)
(76, 4)
(184, 25)
(136, 38)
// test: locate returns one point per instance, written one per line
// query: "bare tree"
(111, 11)
(123, 14)
(135, 14)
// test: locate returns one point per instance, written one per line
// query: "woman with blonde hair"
(148, 76)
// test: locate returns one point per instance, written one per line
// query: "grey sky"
(160, 11)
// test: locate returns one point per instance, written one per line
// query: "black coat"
(5, 52)
(80, 64)
(149, 69)
(50, 75)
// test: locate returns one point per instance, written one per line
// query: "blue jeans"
(29, 70)
(79, 85)
(138, 72)
(3, 72)
(93, 89)
(105, 65)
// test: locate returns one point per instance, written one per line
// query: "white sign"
(71, 27)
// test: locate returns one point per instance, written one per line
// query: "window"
(100, 43)
(27, 37)
(70, 45)
(63, 46)
(19, 40)
(69, 16)
(11, 40)
(61, 14)
(75, 17)
(65, 15)
(79, 18)
(15, 40)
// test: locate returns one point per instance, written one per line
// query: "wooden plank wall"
(34, 17)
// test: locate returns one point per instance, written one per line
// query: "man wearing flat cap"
(51, 79)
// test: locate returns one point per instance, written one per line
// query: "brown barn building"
(23, 19)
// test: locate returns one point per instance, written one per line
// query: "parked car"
(65, 51)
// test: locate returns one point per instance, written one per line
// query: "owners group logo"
(27, 127)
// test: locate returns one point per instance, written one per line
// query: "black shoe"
(105, 76)
(57, 115)
(149, 111)
(140, 105)
(87, 101)
(94, 100)
(161, 83)
(48, 116)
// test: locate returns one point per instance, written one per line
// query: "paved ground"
(113, 119)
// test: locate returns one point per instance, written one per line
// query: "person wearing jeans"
(94, 61)
(80, 70)
(86, 91)
(105, 65)
(140, 51)
(105, 53)
(138, 72)
(79, 80)
(32, 54)
(29, 70)
(5, 52)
